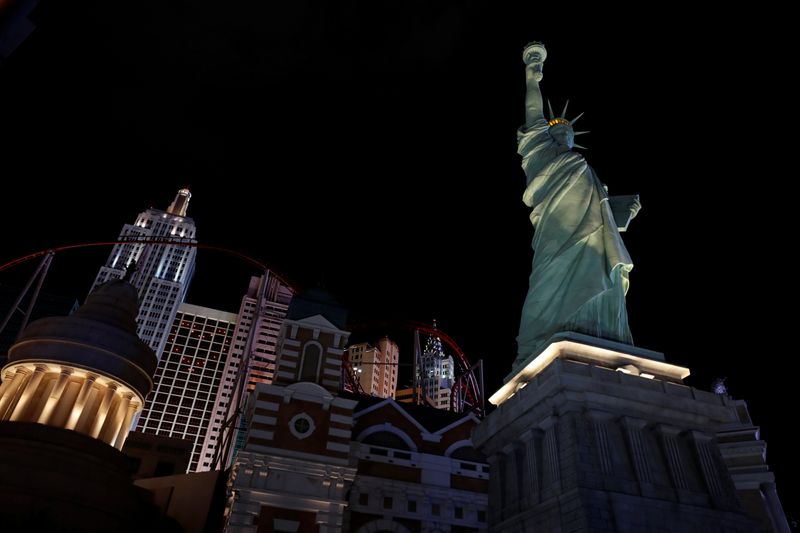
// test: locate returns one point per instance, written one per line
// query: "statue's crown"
(562, 121)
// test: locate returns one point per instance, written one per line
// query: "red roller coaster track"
(472, 393)
(173, 242)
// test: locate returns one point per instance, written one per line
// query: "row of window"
(196, 380)
(197, 420)
(170, 429)
(411, 507)
(181, 402)
(173, 409)
(207, 334)
(208, 376)
(167, 396)
(184, 320)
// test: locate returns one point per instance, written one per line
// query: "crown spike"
(564, 113)
(576, 145)
(580, 133)
(574, 120)
(552, 115)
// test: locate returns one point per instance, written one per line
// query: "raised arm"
(533, 56)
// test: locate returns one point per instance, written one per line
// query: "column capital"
(669, 431)
(597, 415)
(528, 435)
(493, 459)
(700, 436)
(634, 423)
(548, 422)
(508, 449)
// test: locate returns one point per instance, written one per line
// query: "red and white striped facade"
(417, 470)
(293, 472)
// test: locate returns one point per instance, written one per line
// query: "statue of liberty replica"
(590, 433)
(580, 265)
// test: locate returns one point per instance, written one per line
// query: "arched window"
(309, 371)
(387, 440)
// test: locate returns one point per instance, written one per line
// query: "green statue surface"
(580, 265)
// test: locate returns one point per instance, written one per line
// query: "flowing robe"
(580, 265)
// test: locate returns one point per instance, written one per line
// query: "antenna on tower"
(417, 394)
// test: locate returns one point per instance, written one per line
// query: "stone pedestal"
(592, 435)
(54, 479)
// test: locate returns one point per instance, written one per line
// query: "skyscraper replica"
(189, 377)
(436, 374)
(375, 367)
(591, 433)
(250, 359)
(163, 271)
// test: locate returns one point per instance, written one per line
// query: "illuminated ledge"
(600, 352)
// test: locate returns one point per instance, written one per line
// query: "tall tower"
(163, 271)
(189, 375)
(436, 373)
(87, 372)
(254, 344)
(375, 367)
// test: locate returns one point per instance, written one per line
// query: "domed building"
(69, 393)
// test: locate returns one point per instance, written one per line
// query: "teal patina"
(580, 265)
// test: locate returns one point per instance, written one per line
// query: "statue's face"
(563, 135)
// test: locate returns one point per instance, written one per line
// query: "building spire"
(181, 202)
(434, 344)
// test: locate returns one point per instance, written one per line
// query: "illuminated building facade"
(69, 393)
(294, 469)
(416, 468)
(315, 459)
(163, 271)
(255, 340)
(376, 366)
(188, 377)
(436, 373)
(87, 372)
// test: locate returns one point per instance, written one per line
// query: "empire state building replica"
(163, 271)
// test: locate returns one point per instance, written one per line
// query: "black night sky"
(373, 146)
